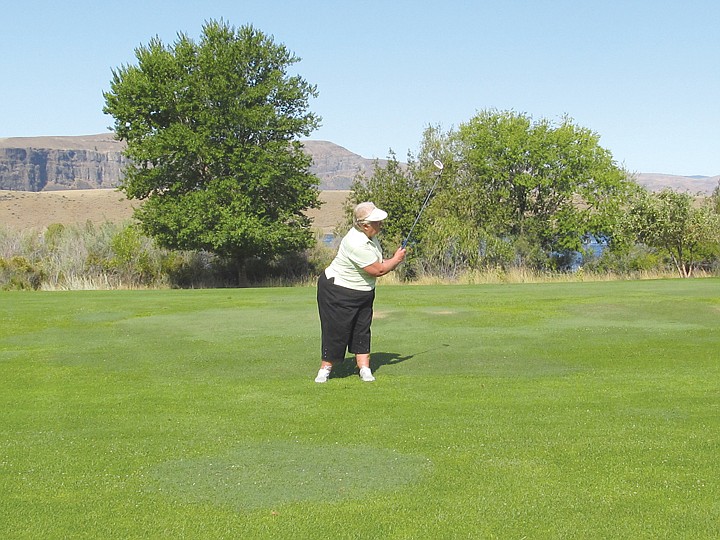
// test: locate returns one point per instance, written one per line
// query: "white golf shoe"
(366, 375)
(323, 375)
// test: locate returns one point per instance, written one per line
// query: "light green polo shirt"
(355, 253)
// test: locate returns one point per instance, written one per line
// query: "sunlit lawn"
(570, 410)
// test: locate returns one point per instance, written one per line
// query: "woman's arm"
(381, 268)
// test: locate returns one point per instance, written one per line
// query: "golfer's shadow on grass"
(348, 367)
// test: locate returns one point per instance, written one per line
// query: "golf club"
(439, 165)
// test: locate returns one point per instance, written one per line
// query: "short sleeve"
(365, 254)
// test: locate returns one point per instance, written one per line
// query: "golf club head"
(438, 164)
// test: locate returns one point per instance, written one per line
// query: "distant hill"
(22, 210)
(96, 161)
(691, 184)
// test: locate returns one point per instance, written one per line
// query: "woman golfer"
(346, 291)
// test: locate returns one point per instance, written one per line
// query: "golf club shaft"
(424, 204)
(417, 218)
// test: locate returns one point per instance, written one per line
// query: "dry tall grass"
(496, 276)
(70, 240)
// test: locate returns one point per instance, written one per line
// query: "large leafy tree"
(551, 183)
(212, 132)
(513, 192)
(521, 192)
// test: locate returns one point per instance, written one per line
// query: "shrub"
(134, 257)
(18, 273)
(637, 258)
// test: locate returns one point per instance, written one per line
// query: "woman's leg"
(361, 337)
(333, 344)
(363, 360)
(324, 372)
(363, 364)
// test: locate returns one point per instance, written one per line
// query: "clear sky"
(643, 74)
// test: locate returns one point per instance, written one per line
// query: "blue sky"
(643, 74)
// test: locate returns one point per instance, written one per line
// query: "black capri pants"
(345, 318)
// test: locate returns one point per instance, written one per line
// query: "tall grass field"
(556, 410)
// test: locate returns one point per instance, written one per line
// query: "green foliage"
(53, 236)
(671, 223)
(550, 183)
(133, 257)
(394, 189)
(715, 199)
(514, 192)
(633, 259)
(211, 132)
(18, 273)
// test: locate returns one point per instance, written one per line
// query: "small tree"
(671, 222)
(401, 190)
(211, 131)
(715, 199)
(390, 188)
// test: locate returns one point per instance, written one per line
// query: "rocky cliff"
(52, 163)
(96, 161)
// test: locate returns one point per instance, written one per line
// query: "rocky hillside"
(96, 161)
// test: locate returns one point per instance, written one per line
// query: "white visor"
(376, 215)
(367, 211)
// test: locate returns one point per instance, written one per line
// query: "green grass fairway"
(573, 410)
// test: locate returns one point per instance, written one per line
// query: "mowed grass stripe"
(583, 410)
